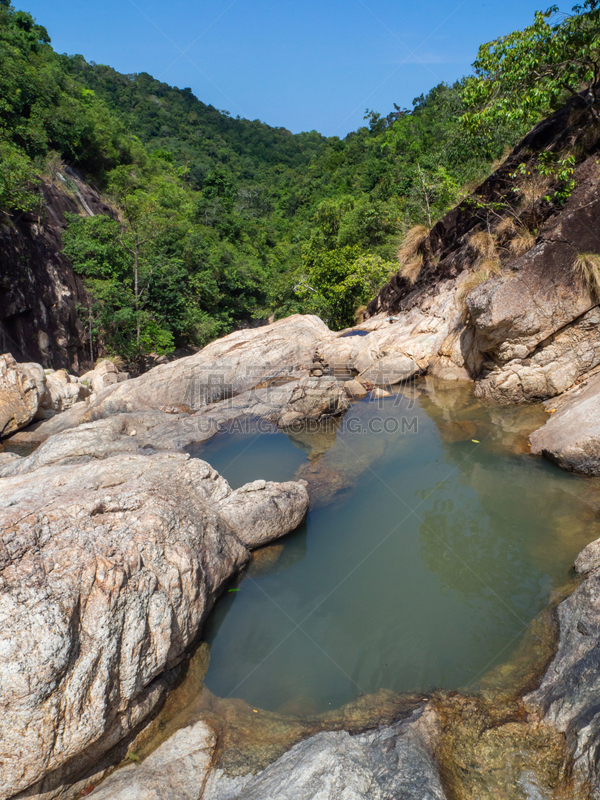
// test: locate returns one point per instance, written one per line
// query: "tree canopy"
(528, 73)
(220, 220)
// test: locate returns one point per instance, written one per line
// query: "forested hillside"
(219, 221)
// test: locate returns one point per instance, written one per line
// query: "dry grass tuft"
(411, 268)
(534, 188)
(53, 166)
(359, 314)
(116, 360)
(484, 244)
(500, 161)
(507, 227)
(487, 269)
(521, 243)
(412, 242)
(587, 265)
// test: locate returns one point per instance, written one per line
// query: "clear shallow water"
(421, 571)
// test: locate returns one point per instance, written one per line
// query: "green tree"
(338, 281)
(526, 74)
(17, 179)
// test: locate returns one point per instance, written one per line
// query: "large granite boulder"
(272, 373)
(107, 570)
(571, 437)
(22, 387)
(246, 360)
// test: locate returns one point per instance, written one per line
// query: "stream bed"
(432, 541)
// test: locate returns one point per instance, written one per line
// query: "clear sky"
(300, 64)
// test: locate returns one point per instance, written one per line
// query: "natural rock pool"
(431, 545)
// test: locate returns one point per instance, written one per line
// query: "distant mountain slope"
(163, 115)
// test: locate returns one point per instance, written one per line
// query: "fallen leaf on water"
(476, 441)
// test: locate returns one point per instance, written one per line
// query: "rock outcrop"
(266, 373)
(28, 392)
(392, 761)
(40, 292)
(571, 437)
(21, 388)
(108, 569)
(567, 698)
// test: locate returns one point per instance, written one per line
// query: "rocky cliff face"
(39, 291)
(520, 325)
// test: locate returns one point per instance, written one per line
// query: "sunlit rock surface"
(571, 436)
(108, 569)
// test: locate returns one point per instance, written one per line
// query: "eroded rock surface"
(21, 389)
(394, 761)
(108, 568)
(551, 369)
(571, 437)
(567, 698)
(178, 770)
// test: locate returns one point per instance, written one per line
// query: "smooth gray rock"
(571, 437)
(355, 390)
(589, 558)
(107, 570)
(390, 370)
(241, 362)
(175, 771)
(265, 373)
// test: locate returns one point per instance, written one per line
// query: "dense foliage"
(540, 66)
(219, 220)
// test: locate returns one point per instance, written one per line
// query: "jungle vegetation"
(219, 221)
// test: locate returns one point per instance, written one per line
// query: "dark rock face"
(40, 292)
(529, 332)
(448, 240)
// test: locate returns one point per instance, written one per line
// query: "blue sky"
(300, 64)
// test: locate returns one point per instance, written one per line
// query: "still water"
(430, 546)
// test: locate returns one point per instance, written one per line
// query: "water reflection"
(424, 556)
